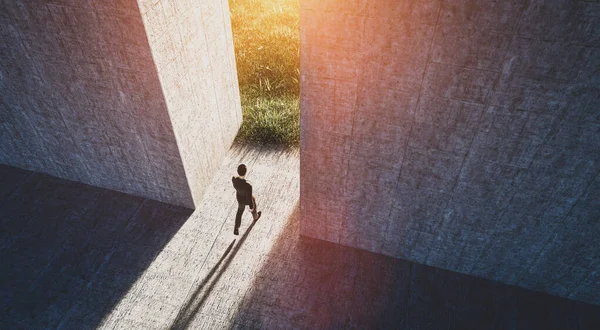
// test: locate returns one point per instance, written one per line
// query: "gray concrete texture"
(136, 97)
(82, 257)
(192, 47)
(459, 134)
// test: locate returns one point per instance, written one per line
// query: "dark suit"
(243, 194)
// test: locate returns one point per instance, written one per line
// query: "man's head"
(242, 170)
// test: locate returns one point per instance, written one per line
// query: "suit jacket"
(243, 190)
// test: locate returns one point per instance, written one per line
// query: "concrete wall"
(195, 59)
(460, 134)
(84, 99)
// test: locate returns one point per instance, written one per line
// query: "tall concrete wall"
(192, 46)
(461, 134)
(85, 94)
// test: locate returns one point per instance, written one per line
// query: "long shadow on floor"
(190, 309)
(71, 251)
(311, 284)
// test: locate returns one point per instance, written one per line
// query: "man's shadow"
(192, 306)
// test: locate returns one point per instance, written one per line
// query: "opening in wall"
(266, 36)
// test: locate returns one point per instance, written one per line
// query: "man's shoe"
(236, 232)
(258, 215)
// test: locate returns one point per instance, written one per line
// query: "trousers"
(240, 211)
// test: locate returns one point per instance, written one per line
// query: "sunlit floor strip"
(201, 276)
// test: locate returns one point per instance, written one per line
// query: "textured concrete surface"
(80, 257)
(139, 99)
(458, 134)
(307, 283)
(192, 46)
(77, 256)
(81, 98)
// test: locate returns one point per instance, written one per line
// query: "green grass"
(266, 37)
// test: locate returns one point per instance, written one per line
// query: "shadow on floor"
(194, 303)
(71, 251)
(311, 284)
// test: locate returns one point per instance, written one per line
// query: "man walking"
(244, 197)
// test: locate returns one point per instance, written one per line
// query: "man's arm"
(251, 203)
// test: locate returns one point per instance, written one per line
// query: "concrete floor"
(79, 257)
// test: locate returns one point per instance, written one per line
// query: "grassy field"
(266, 36)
